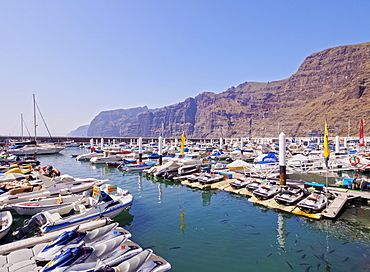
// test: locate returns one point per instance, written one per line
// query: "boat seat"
(81, 208)
(53, 217)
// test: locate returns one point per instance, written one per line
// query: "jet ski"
(210, 178)
(240, 183)
(74, 237)
(84, 258)
(314, 203)
(145, 261)
(255, 184)
(267, 190)
(291, 194)
(194, 177)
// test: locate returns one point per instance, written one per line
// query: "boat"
(75, 237)
(182, 171)
(63, 185)
(6, 220)
(145, 261)
(88, 156)
(240, 183)
(313, 203)
(107, 204)
(84, 258)
(37, 205)
(291, 194)
(70, 144)
(170, 166)
(238, 166)
(39, 149)
(195, 177)
(106, 158)
(209, 178)
(255, 184)
(267, 190)
(139, 166)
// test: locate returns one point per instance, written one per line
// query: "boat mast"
(34, 115)
(22, 126)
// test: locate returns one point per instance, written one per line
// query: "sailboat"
(32, 147)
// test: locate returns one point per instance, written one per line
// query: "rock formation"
(332, 85)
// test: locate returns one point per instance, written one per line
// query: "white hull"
(6, 220)
(39, 150)
(36, 206)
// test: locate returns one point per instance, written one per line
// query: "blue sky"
(83, 57)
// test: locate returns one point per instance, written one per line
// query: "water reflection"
(206, 197)
(281, 231)
(160, 192)
(140, 182)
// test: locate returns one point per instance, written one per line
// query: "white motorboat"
(71, 144)
(64, 185)
(137, 166)
(110, 204)
(88, 156)
(6, 220)
(105, 159)
(239, 166)
(37, 205)
(39, 149)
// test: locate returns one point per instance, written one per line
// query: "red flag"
(362, 140)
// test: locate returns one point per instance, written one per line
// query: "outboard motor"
(33, 225)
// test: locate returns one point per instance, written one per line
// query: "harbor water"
(211, 230)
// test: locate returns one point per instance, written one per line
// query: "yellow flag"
(183, 139)
(326, 141)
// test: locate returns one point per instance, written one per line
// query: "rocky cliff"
(333, 84)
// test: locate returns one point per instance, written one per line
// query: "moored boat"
(37, 205)
(6, 220)
(109, 204)
(240, 183)
(291, 194)
(138, 166)
(84, 258)
(74, 238)
(267, 190)
(314, 203)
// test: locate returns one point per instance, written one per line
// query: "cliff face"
(332, 84)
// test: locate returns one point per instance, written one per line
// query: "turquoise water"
(210, 230)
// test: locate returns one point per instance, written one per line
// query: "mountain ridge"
(332, 84)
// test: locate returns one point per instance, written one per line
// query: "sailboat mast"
(22, 126)
(34, 115)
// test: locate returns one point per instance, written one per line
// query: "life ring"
(354, 160)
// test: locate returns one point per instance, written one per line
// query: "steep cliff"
(332, 84)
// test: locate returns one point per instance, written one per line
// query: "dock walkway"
(341, 196)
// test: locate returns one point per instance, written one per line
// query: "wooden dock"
(341, 197)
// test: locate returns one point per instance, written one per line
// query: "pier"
(335, 206)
